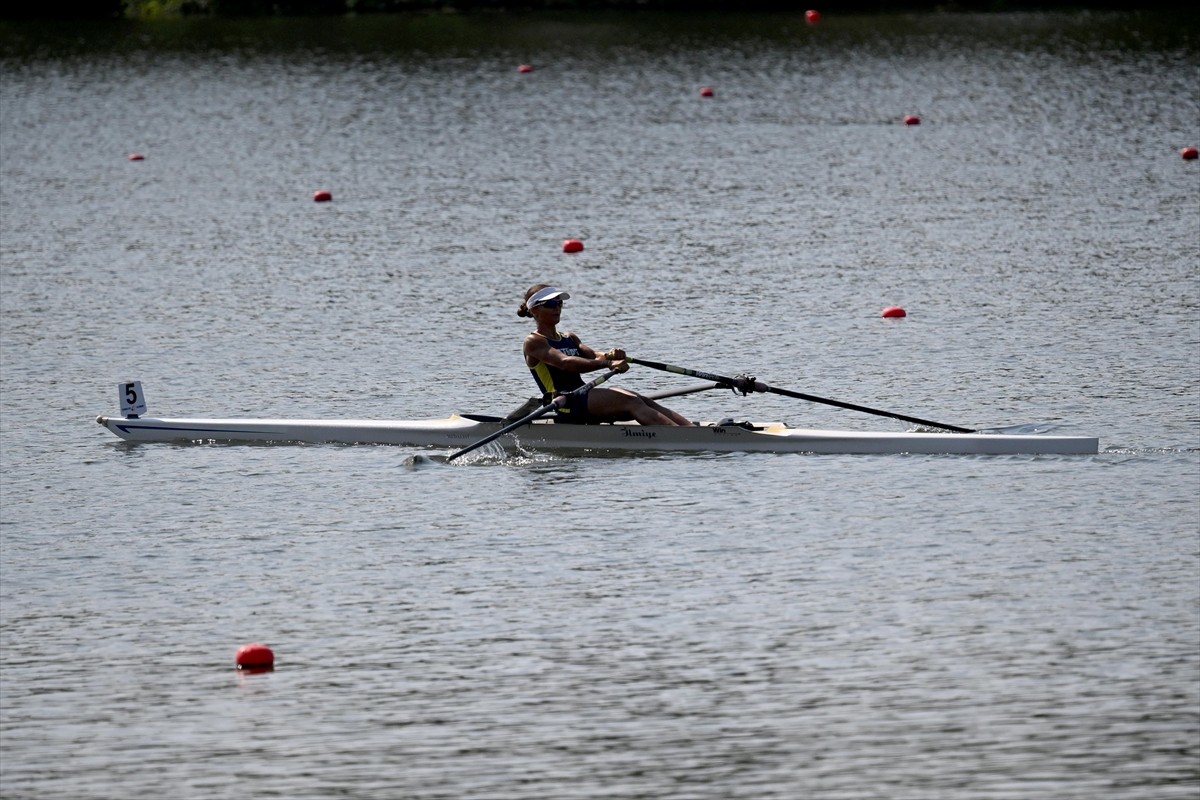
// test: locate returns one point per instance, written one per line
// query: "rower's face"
(551, 312)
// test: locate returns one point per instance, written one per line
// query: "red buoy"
(894, 312)
(254, 656)
(1189, 153)
(572, 246)
(912, 119)
(136, 157)
(525, 68)
(706, 92)
(812, 17)
(322, 195)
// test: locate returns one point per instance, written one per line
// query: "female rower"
(558, 359)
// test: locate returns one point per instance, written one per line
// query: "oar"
(557, 402)
(704, 387)
(752, 385)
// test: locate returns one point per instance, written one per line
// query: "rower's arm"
(538, 349)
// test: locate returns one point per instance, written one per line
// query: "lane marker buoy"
(1188, 153)
(706, 92)
(322, 196)
(912, 119)
(572, 246)
(136, 157)
(893, 312)
(524, 68)
(254, 656)
(812, 17)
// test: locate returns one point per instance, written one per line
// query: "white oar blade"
(416, 462)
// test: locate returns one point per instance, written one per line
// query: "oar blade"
(421, 461)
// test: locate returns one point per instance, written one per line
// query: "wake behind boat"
(460, 430)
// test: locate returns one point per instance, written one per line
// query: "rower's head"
(542, 296)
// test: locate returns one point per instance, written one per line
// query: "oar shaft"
(525, 420)
(864, 409)
(704, 387)
(694, 373)
(759, 386)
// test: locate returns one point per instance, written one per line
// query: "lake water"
(547, 626)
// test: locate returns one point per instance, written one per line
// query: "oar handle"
(557, 402)
(752, 385)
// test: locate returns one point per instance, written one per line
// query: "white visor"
(542, 295)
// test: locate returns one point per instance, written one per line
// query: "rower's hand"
(616, 354)
(620, 365)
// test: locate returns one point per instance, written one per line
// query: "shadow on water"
(546, 34)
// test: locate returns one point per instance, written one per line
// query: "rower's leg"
(620, 404)
(674, 416)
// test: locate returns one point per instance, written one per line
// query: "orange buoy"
(254, 656)
(525, 68)
(893, 312)
(706, 92)
(322, 196)
(912, 119)
(1189, 153)
(572, 246)
(136, 157)
(812, 17)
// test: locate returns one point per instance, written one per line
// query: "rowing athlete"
(558, 359)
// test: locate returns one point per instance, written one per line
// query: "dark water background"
(691, 626)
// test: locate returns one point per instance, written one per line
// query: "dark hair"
(523, 310)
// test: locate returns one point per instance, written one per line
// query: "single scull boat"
(530, 430)
(459, 430)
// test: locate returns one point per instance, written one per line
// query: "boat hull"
(459, 431)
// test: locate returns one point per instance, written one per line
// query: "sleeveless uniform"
(553, 381)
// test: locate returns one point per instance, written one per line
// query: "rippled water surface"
(568, 626)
